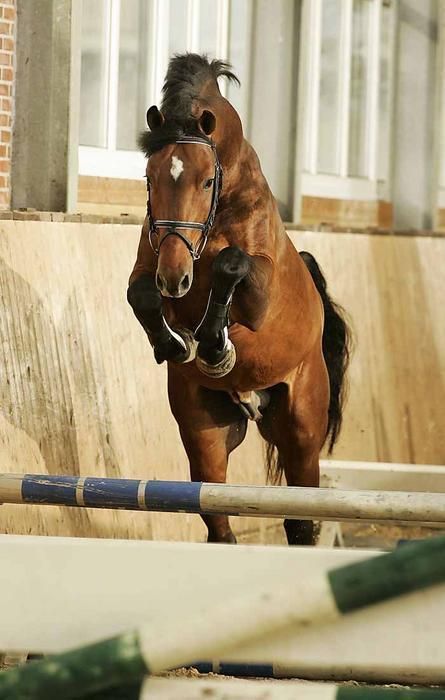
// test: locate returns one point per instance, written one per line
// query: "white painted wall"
(414, 122)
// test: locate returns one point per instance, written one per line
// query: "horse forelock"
(152, 141)
(188, 77)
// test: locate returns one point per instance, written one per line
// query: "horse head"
(184, 181)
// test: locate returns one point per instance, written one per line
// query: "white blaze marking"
(177, 167)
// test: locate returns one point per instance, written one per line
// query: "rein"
(175, 226)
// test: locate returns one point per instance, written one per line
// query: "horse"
(243, 320)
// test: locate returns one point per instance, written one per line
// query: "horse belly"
(264, 358)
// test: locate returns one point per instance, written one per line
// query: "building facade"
(342, 99)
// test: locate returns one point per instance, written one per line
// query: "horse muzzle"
(174, 274)
(173, 286)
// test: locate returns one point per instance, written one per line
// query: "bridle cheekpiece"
(174, 227)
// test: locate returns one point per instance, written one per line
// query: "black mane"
(185, 76)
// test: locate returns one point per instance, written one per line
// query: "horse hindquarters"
(295, 423)
(211, 426)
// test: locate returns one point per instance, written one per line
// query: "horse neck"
(248, 208)
(245, 179)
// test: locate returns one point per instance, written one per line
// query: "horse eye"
(208, 183)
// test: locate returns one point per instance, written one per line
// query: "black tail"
(336, 349)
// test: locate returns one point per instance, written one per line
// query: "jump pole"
(298, 503)
(151, 649)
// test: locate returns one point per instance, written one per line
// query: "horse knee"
(231, 262)
(144, 298)
(142, 294)
(230, 266)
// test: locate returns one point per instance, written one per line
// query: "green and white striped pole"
(149, 650)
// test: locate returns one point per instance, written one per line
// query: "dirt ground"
(386, 537)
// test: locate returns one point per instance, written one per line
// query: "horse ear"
(155, 118)
(207, 122)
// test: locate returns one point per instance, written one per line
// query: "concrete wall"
(273, 95)
(44, 164)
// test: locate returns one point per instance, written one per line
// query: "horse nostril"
(171, 287)
(185, 283)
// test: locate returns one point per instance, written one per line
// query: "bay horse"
(243, 320)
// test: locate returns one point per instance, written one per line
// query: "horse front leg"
(211, 427)
(146, 301)
(233, 271)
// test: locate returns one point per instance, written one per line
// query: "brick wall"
(7, 39)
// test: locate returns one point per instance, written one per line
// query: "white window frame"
(109, 161)
(342, 186)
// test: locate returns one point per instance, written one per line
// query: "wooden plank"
(232, 689)
(346, 213)
(80, 392)
(391, 288)
(79, 388)
(96, 589)
(218, 689)
(248, 618)
(382, 476)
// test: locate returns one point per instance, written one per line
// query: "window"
(348, 53)
(329, 93)
(126, 46)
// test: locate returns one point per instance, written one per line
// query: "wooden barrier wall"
(392, 287)
(81, 394)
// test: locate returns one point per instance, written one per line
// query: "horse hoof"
(191, 344)
(180, 347)
(223, 367)
(229, 538)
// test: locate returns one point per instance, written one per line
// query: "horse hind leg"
(295, 422)
(298, 532)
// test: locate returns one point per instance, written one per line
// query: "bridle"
(173, 226)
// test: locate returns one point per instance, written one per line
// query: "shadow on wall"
(44, 366)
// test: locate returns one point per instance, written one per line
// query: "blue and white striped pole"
(195, 497)
(125, 659)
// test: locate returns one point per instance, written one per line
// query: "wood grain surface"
(81, 394)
